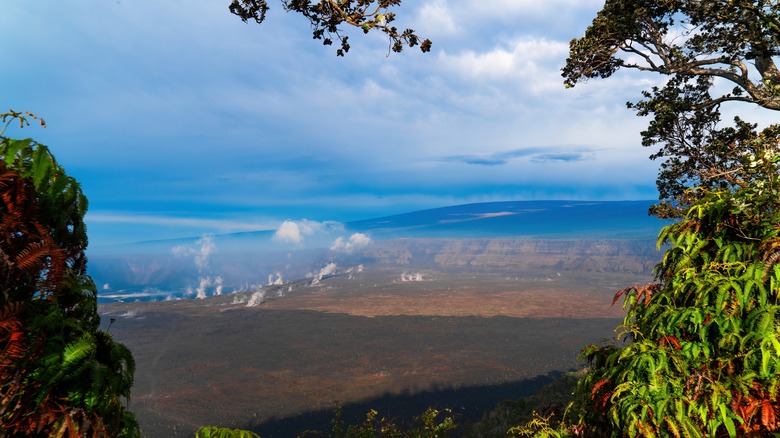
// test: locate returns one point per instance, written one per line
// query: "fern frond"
(75, 352)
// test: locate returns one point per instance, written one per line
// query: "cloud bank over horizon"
(180, 120)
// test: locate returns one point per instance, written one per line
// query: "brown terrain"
(506, 254)
(547, 256)
(386, 338)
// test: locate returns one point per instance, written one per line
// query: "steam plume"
(257, 298)
(329, 269)
(201, 290)
(411, 277)
(277, 281)
(200, 254)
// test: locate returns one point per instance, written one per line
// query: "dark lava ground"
(464, 341)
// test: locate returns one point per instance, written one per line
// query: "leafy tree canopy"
(327, 16)
(704, 356)
(59, 374)
(712, 52)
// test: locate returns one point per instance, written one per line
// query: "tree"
(704, 356)
(59, 374)
(703, 350)
(712, 52)
(432, 423)
(326, 17)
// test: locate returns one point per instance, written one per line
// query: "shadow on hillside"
(468, 404)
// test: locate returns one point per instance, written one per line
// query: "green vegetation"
(59, 374)
(705, 354)
(695, 45)
(547, 407)
(223, 432)
(430, 424)
(704, 351)
(702, 356)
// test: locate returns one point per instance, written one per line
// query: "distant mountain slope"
(537, 219)
(548, 219)
(553, 235)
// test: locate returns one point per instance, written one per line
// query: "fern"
(59, 375)
(223, 432)
(704, 351)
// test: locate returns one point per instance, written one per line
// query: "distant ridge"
(604, 236)
(528, 219)
(538, 219)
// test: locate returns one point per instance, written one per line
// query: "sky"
(180, 120)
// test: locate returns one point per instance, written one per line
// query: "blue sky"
(180, 120)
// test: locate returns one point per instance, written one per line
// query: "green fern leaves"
(59, 374)
(703, 357)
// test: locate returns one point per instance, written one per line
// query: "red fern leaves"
(27, 248)
(670, 340)
(47, 305)
(759, 404)
(602, 400)
(12, 339)
(32, 267)
(643, 293)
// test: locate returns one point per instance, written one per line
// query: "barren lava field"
(367, 340)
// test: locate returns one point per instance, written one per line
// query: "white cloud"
(338, 244)
(531, 63)
(436, 18)
(464, 11)
(308, 227)
(355, 241)
(289, 232)
(296, 231)
(262, 120)
(359, 239)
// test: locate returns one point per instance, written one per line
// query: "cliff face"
(592, 255)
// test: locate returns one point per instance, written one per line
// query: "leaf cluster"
(223, 432)
(327, 16)
(547, 409)
(685, 38)
(700, 348)
(704, 351)
(59, 374)
(696, 45)
(432, 423)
